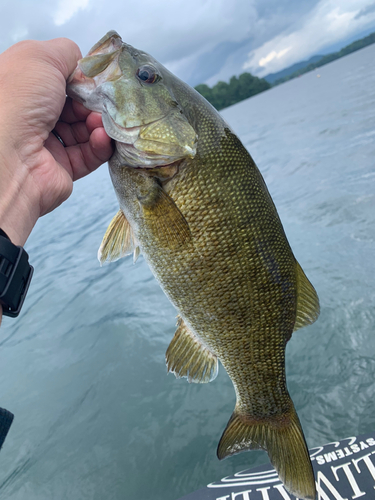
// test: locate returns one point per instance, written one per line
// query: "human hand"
(36, 171)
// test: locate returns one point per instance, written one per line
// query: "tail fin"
(283, 439)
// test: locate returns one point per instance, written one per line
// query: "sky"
(201, 41)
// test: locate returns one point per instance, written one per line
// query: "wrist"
(19, 203)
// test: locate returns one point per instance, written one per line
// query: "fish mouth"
(99, 66)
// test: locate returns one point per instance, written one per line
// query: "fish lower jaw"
(79, 94)
(122, 135)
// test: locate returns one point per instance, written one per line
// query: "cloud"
(66, 10)
(326, 24)
(272, 18)
(170, 30)
(200, 40)
(367, 10)
(272, 55)
(194, 39)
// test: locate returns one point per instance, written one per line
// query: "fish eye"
(147, 74)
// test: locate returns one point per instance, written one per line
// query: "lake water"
(83, 370)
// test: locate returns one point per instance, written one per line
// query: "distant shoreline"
(348, 49)
(246, 85)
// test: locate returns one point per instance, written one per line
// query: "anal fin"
(187, 357)
(307, 301)
(118, 241)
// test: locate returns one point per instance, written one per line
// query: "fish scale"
(194, 203)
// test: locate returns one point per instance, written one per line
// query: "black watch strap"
(15, 276)
(6, 419)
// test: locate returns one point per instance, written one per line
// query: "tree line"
(225, 94)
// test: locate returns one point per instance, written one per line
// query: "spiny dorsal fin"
(282, 437)
(307, 301)
(167, 222)
(118, 240)
(187, 357)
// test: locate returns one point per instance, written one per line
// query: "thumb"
(63, 54)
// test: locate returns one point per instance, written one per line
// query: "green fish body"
(193, 202)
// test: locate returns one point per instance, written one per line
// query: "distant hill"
(352, 47)
(272, 77)
(246, 85)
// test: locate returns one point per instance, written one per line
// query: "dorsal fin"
(307, 301)
(187, 357)
(118, 240)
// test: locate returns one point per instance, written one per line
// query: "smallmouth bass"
(194, 203)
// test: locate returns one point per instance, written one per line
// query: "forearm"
(17, 215)
(19, 207)
(19, 200)
(36, 170)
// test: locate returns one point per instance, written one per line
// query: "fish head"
(133, 92)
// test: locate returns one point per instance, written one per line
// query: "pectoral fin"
(167, 223)
(118, 240)
(187, 357)
(307, 301)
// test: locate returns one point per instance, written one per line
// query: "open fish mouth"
(100, 64)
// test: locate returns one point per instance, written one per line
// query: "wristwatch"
(15, 276)
(6, 419)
